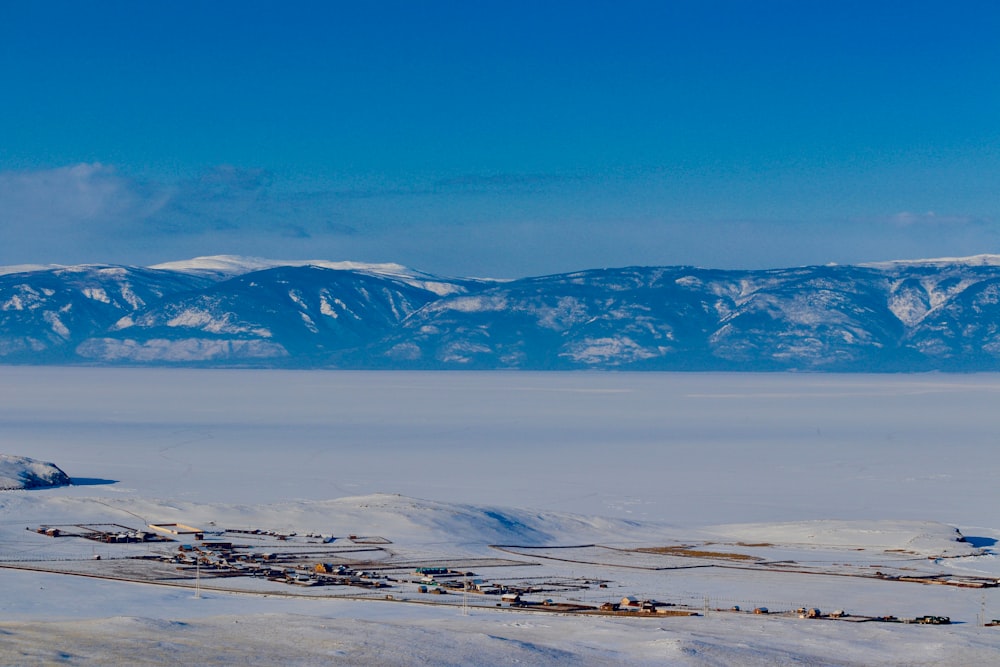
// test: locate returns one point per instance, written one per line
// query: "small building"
(430, 571)
(510, 598)
(484, 587)
(177, 529)
(630, 603)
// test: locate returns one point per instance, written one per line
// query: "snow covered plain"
(831, 471)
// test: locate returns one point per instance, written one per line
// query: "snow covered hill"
(895, 316)
(21, 472)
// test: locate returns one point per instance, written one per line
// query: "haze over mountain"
(940, 314)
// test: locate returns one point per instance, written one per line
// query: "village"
(371, 567)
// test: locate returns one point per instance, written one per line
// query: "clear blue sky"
(500, 138)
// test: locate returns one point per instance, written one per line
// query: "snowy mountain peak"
(972, 260)
(234, 265)
(27, 268)
(227, 266)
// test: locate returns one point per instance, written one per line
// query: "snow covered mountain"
(300, 313)
(45, 314)
(893, 316)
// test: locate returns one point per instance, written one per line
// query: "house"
(432, 571)
(630, 603)
(481, 586)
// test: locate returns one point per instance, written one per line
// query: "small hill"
(20, 472)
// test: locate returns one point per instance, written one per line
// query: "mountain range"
(902, 316)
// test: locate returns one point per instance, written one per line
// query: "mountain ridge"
(898, 316)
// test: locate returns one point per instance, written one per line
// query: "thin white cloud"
(91, 212)
(910, 219)
(498, 225)
(68, 214)
(67, 197)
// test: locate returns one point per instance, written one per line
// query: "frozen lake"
(689, 449)
(684, 449)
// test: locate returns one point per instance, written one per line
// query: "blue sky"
(500, 139)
